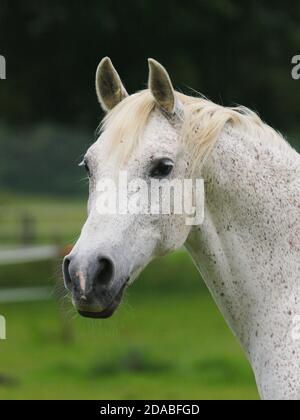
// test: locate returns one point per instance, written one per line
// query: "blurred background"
(168, 340)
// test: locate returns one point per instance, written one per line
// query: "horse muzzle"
(96, 291)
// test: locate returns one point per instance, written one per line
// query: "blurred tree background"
(231, 51)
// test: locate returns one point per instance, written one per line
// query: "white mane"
(203, 123)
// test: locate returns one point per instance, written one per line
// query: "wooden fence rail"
(27, 255)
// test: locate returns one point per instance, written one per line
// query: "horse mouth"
(109, 310)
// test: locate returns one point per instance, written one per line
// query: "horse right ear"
(161, 86)
(109, 87)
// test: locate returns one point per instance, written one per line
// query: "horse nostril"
(66, 272)
(87, 284)
(105, 271)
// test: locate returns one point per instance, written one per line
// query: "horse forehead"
(159, 128)
(159, 137)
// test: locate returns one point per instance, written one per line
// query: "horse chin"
(107, 313)
(109, 310)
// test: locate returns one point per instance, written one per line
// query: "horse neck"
(248, 247)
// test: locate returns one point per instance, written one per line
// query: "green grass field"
(167, 341)
(156, 347)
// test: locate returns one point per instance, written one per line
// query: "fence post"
(28, 229)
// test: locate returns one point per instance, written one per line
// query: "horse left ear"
(161, 86)
(109, 87)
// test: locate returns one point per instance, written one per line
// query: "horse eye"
(86, 166)
(162, 168)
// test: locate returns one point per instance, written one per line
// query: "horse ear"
(109, 87)
(161, 86)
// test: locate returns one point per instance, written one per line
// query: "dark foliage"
(231, 51)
